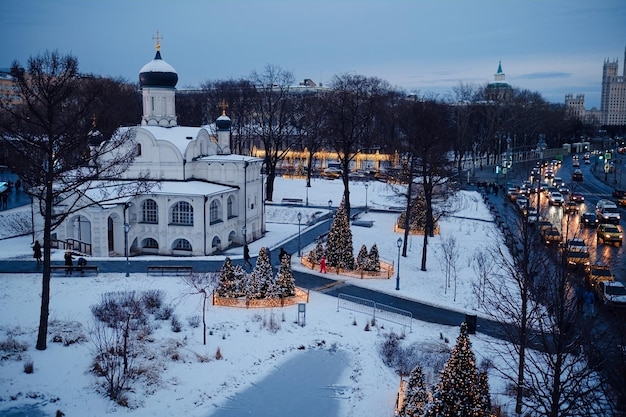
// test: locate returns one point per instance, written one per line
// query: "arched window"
(214, 212)
(182, 213)
(150, 243)
(149, 211)
(138, 150)
(230, 207)
(216, 242)
(182, 244)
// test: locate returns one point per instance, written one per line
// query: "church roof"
(158, 73)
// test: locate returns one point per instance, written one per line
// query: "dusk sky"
(553, 47)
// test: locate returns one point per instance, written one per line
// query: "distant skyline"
(553, 47)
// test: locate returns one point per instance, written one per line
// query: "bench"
(165, 270)
(292, 201)
(74, 270)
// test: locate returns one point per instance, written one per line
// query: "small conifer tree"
(284, 279)
(261, 277)
(416, 396)
(339, 249)
(373, 259)
(362, 258)
(227, 286)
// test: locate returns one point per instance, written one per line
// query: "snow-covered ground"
(255, 343)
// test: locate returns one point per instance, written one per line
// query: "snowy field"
(187, 379)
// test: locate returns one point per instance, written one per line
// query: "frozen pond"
(304, 386)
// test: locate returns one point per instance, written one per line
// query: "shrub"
(152, 300)
(218, 354)
(176, 324)
(29, 367)
(194, 321)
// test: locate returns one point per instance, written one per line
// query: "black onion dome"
(94, 137)
(158, 73)
(223, 122)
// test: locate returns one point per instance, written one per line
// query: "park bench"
(75, 270)
(165, 270)
(292, 201)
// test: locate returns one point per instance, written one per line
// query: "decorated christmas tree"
(339, 250)
(373, 259)
(416, 395)
(362, 258)
(227, 286)
(261, 277)
(316, 254)
(417, 220)
(241, 281)
(285, 282)
(459, 391)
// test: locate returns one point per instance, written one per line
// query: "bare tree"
(203, 285)
(450, 257)
(55, 155)
(272, 118)
(352, 106)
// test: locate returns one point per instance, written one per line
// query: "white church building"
(203, 199)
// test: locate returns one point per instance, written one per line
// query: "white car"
(611, 293)
(556, 198)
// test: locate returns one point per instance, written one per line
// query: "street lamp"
(243, 233)
(541, 146)
(126, 230)
(399, 242)
(299, 220)
(330, 214)
(366, 187)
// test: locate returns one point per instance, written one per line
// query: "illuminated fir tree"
(373, 259)
(227, 286)
(261, 277)
(316, 254)
(362, 258)
(241, 281)
(285, 282)
(339, 249)
(458, 392)
(416, 396)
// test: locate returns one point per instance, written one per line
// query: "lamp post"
(399, 242)
(126, 230)
(243, 233)
(541, 146)
(366, 187)
(507, 162)
(299, 220)
(330, 214)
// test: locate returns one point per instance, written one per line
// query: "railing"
(72, 244)
(376, 310)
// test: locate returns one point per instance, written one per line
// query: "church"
(202, 198)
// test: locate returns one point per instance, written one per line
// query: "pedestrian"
(589, 304)
(81, 262)
(282, 254)
(37, 252)
(69, 262)
(246, 255)
(323, 264)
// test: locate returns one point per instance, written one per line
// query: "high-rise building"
(613, 100)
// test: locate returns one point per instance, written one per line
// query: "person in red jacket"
(323, 264)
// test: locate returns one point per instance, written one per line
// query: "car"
(556, 199)
(577, 244)
(570, 207)
(611, 293)
(563, 189)
(621, 201)
(576, 163)
(598, 272)
(576, 258)
(617, 193)
(551, 236)
(544, 224)
(577, 197)
(577, 175)
(589, 219)
(607, 212)
(531, 215)
(512, 193)
(609, 233)
(521, 201)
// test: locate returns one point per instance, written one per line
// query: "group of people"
(68, 259)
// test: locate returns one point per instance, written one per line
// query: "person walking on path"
(69, 264)
(323, 264)
(246, 255)
(37, 252)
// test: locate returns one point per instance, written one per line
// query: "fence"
(376, 310)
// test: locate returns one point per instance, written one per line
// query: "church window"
(150, 211)
(214, 212)
(150, 243)
(138, 150)
(182, 213)
(182, 244)
(230, 207)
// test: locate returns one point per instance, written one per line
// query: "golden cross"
(223, 106)
(158, 39)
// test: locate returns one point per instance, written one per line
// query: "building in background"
(613, 100)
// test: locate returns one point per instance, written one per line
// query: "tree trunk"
(44, 311)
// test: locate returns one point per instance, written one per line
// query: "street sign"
(607, 155)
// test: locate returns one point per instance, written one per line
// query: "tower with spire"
(499, 90)
(158, 87)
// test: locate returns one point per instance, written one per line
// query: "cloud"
(544, 75)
